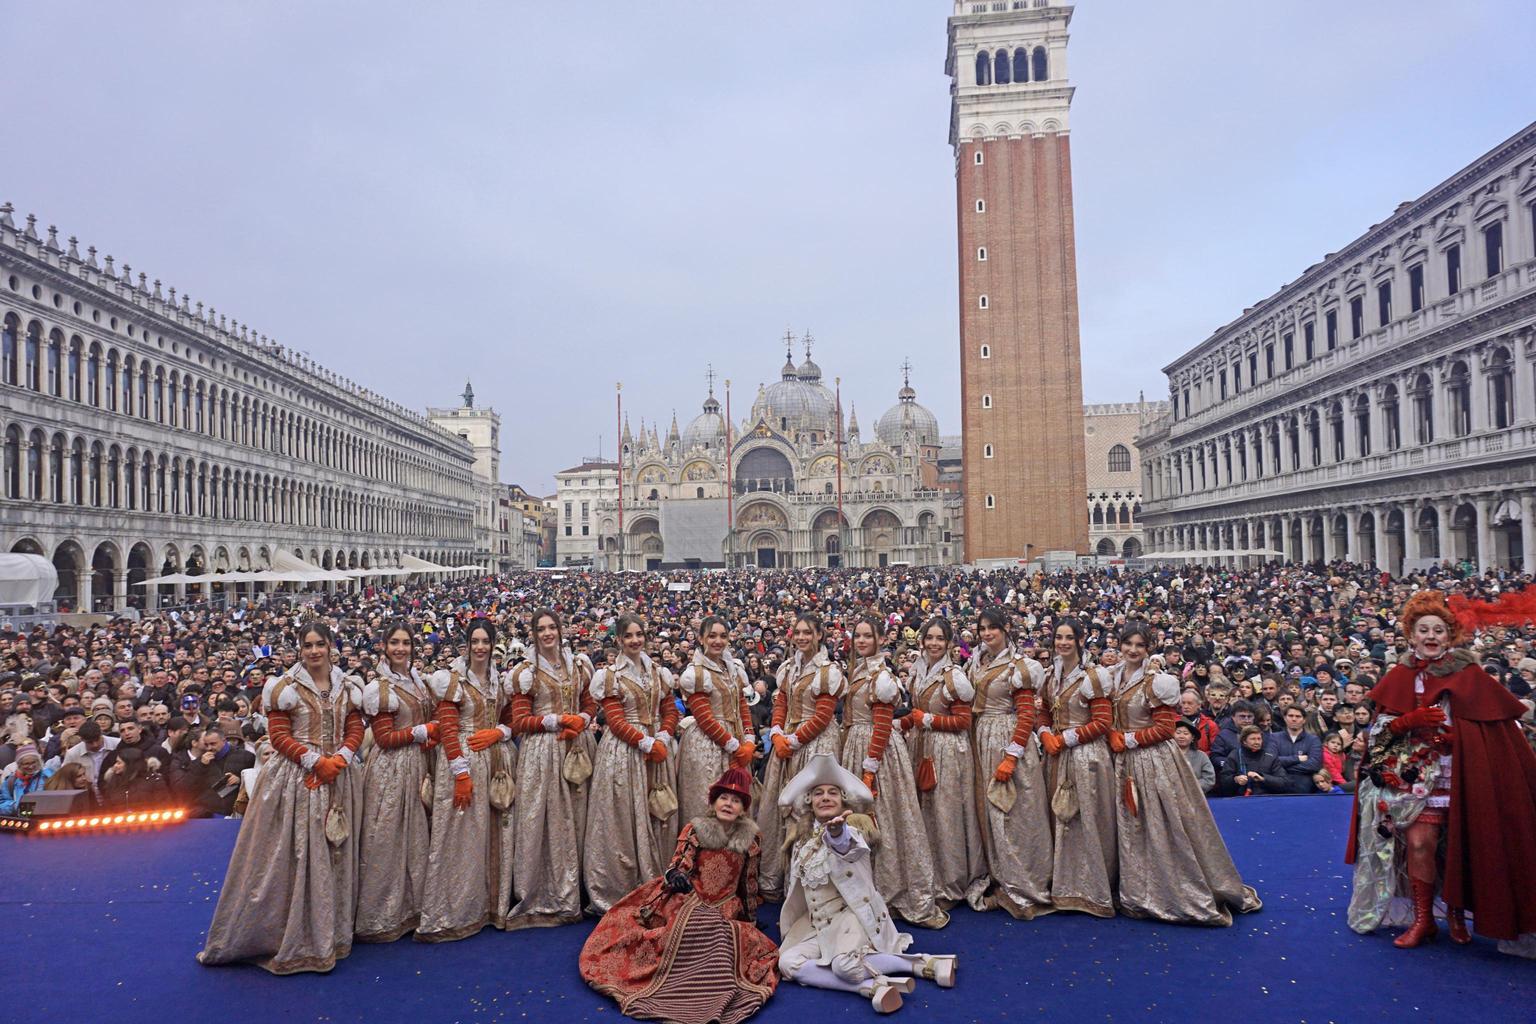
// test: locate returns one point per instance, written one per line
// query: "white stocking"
(892, 964)
(819, 976)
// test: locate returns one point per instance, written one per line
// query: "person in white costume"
(837, 932)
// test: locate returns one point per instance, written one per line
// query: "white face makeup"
(1431, 637)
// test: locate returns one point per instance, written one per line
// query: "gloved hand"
(781, 748)
(1005, 768)
(1418, 718)
(328, 768)
(743, 756)
(1052, 744)
(657, 754)
(1116, 741)
(566, 735)
(431, 738)
(676, 880)
(463, 790)
(483, 738)
(572, 724)
(310, 782)
(913, 719)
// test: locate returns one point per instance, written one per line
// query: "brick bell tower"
(1021, 379)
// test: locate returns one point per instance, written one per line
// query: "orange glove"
(480, 739)
(1005, 768)
(657, 755)
(328, 768)
(868, 778)
(431, 736)
(463, 789)
(743, 756)
(1117, 741)
(1052, 743)
(310, 782)
(782, 749)
(572, 724)
(913, 719)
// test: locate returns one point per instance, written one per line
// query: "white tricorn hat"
(820, 770)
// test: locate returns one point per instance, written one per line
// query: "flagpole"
(842, 541)
(618, 399)
(618, 402)
(730, 493)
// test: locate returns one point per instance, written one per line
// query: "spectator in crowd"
(1252, 770)
(92, 751)
(29, 777)
(1299, 753)
(1226, 743)
(133, 782)
(207, 775)
(1184, 734)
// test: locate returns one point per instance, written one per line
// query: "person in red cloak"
(1448, 745)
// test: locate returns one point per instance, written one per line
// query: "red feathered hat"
(1430, 601)
(735, 780)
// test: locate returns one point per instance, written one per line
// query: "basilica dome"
(798, 401)
(707, 428)
(908, 419)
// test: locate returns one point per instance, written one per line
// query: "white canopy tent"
(27, 580)
(415, 564)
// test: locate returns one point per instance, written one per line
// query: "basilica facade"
(790, 485)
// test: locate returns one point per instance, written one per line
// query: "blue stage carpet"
(106, 928)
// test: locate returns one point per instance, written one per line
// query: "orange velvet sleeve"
(826, 707)
(623, 728)
(1163, 721)
(881, 736)
(1024, 715)
(386, 735)
(958, 718)
(519, 716)
(280, 733)
(704, 718)
(448, 729)
(354, 731)
(1102, 714)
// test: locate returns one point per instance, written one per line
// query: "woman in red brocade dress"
(683, 947)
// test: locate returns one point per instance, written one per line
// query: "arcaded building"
(1381, 407)
(145, 434)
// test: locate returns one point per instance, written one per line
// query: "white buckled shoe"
(887, 993)
(940, 970)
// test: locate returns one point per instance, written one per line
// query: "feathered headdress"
(1462, 615)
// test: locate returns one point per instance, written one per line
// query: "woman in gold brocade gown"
(1173, 863)
(469, 873)
(552, 709)
(938, 730)
(396, 839)
(1010, 795)
(632, 806)
(904, 861)
(719, 737)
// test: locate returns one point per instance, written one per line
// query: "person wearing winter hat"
(838, 933)
(685, 946)
(29, 777)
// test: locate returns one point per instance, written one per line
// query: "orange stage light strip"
(109, 822)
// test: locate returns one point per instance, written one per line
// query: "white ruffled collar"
(461, 666)
(924, 673)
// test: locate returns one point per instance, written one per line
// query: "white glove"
(1069, 737)
(418, 734)
(551, 723)
(1130, 741)
(732, 745)
(646, 743)
(309, 759)
(459, 766)
(1013, 750)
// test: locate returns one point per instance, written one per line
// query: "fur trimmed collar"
(1454, 660)
(714, 836)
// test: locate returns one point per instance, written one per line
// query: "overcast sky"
(546, 198)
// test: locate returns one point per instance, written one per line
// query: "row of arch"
(108, 579)
(1017, 66)
(60, 469)
(1104, 514)
(1130, 548)
(1488, 531)
(89, 373)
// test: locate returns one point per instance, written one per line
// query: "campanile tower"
(1021, 379)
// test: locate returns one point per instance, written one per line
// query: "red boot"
(1456, 926)
(1423, 928)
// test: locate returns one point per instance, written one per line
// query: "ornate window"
(1119, 459)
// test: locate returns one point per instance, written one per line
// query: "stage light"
(101, 822)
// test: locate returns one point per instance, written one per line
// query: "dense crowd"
(1276, 663)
